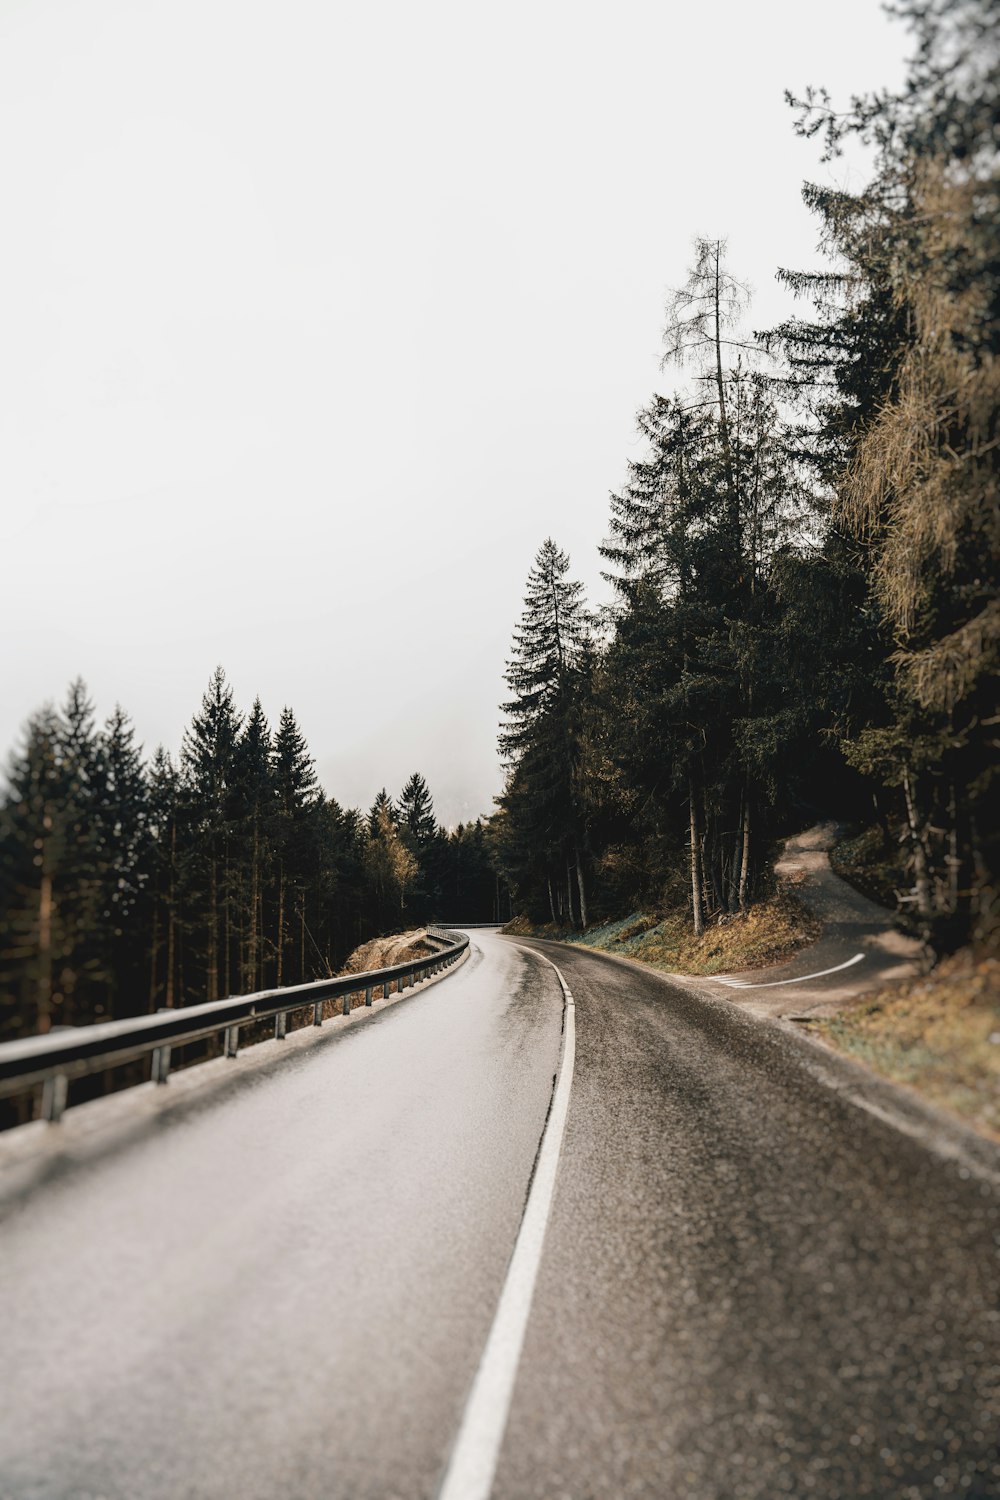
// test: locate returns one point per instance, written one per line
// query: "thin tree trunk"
(745, 861)
(254, 898)
(582, 891)
(696, 906)
(212, 977)
(302, 938)
(44, 993)
(226, 934)
(569, 895)
(711, 883)
(552, 903)
(921, 870)
(168, 998)
(281, 924)
(154, 957)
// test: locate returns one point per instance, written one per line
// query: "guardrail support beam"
(318, 1013)
(160, 1071)
(232, 1040)
(368, 995)
(347, 1005)
(54, 1091)
(280, 1024)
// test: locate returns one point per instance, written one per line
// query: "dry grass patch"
(380, 953)
(939, 1034)
(771, 931)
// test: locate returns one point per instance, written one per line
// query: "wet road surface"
(750, 1286)
(285, 1291)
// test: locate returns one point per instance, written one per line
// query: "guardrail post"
(318, 1013)
(160, 1070)
(280, 1025)
(232, 1040)
(368, 995)
(385, 988)
(347, 1005)
(54, 1091)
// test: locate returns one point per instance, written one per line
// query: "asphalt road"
(280, 1288)
(753, 1283)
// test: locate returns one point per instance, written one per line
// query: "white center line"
(772, 984)
(477, 1447)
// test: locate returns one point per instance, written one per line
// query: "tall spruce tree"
(297, 797)
(548, 674)
(208, 758)
(253, 805)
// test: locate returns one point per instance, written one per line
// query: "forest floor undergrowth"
(939, 1034)
(769, 932)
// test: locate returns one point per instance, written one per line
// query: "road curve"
(752, 1283)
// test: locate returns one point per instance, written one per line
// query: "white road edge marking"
(477, 1447)
(743, 984)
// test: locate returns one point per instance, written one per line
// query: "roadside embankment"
(863, 987)
(939, 1034)
(381, 953)
(771, 931)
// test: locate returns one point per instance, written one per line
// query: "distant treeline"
(806, 555)
(126, 885)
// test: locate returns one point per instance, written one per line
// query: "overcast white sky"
(315, 320)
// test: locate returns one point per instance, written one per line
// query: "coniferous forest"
(805, 557)
(127, 885)
(805, 561)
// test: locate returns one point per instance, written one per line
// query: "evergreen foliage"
(806, 557)
(128, 886)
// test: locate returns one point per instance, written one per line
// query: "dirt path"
(859, 943)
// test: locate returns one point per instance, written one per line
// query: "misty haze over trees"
(127, 886)
(806, 557)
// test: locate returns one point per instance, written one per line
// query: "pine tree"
(253, 810)
(296, 798)
(208, 766)
(122, 815)
(416, 811)
(548, 673)
(419, 831)
(699, 317)
(166, 880)
(383, 805)
(34, 833)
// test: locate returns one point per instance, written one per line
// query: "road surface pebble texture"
(750, 1287)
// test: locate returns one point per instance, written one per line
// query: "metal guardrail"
(59, 1056)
